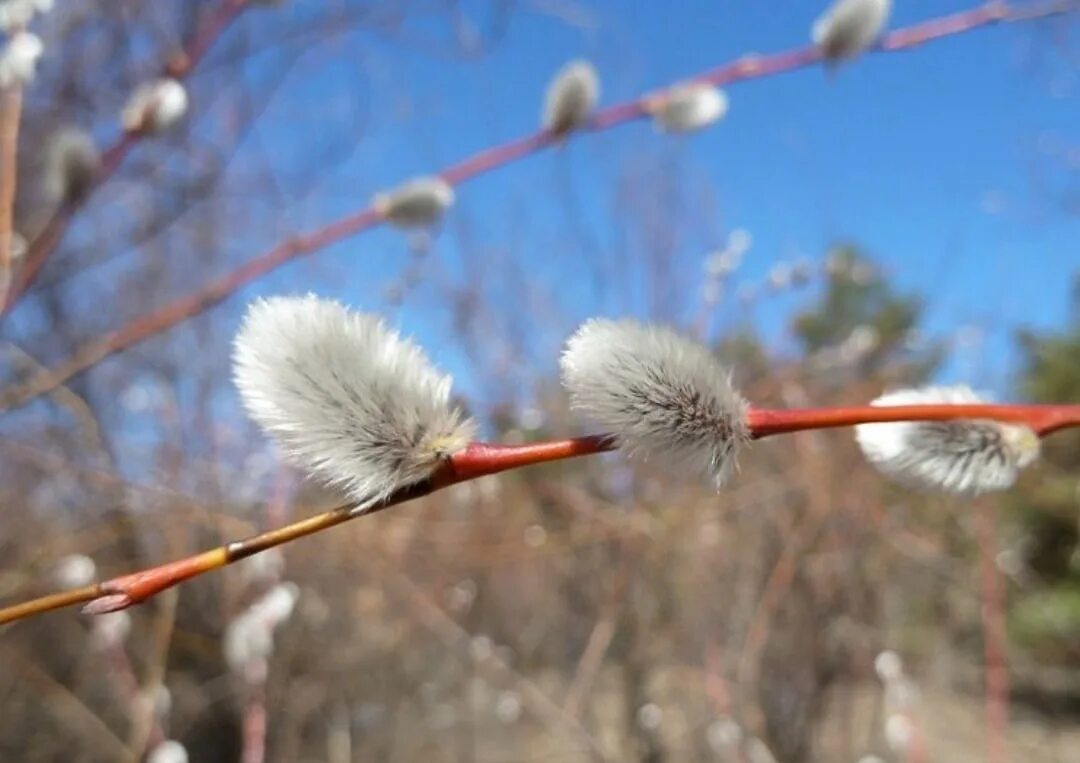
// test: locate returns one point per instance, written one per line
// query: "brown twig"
(10, 114)
(71, 713)
(533, 696)
(994, 636)
(178, 67)
(746, 68)
(147, 730)
(601, 636)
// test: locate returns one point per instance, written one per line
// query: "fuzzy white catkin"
(960, 456)
(758, 752)
(110, 630)
(723, 734)
(155, 699)
(16, 14)
(899, 732)
(690, 107)
(249, 637)
(19, 246)
(345, 396)
(417, 203)
(169, 751)
(571, 97)
(888, 666)
(663, 396)
(263, 568)
(277, 605)
(849, 27)
(155, 106)
(18, 61)
(75, 571)
(71, 163)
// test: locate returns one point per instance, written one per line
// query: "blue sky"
(948, 163)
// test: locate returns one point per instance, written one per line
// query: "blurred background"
(904, 218)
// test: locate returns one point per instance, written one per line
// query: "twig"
(71, 713)
(45, 243)
(10, 113)
(534, 698)
(1043, 419)
(746, 68)
(994, 637)
(600, 638)
(482, 459)
(147, 729)
(254, 735)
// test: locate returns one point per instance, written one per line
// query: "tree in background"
(1046, 604)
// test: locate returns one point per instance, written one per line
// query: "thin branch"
(995, 640)
(70, 712)
(254, 725)
(746, 68)
(10, 114)
(533, 696)
(46, 242)
(482, 459)
(1043, 419)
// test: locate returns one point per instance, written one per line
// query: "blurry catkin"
(264, 568)
(155, 106)
(74, 571)
(19, 246)
(18, 61)
(345, 396)
(16, 14)
(417, 203)
(169, 751)
(687, 108)
(110, 631)
(72, 162)
(959, 456)
(663, 396)
(899, 733)
(889, 666)
(849, 27)
(571, 97)
(758, 752)
(249, 637)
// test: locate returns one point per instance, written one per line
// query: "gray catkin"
(663, 396)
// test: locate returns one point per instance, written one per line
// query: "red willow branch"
(482, 459)
(178, 67)
(746, 68)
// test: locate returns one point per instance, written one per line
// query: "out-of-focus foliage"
(1046, 612)
(861, 322)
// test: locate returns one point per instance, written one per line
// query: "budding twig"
(482, 459)
(180, 310)
(180, 66)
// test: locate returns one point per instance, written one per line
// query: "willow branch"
(750, 67)
(113, 155)
(482, 459)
